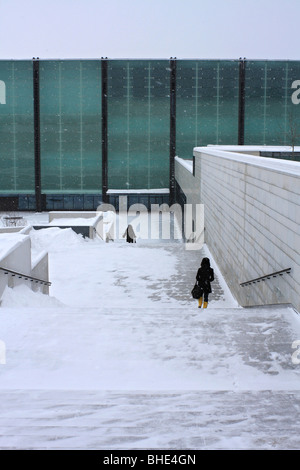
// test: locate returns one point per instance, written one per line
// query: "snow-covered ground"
(118, 356)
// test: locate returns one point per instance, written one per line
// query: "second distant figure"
(130, 235)
(205, 276)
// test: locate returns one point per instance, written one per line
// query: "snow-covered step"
(131, 379)
(131, 348)
(120, 357)
(68, 419)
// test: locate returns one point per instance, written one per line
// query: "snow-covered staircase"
(128, 361)
(149, 420)
(160, 378)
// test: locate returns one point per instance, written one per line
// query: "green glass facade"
(16, 128)
(212, 103)
(138, 124)
(271, 117)
(70, 110)
(207, 98)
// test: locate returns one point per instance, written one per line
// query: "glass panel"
(138, 124)
(206, 104)
(16, 127)
(138, 118)
(71, 143)
(271, 112)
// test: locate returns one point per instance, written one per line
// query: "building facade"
(75, 133)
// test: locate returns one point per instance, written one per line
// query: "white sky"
(225, 29)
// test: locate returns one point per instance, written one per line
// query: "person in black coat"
(130, 235)
(205, 275)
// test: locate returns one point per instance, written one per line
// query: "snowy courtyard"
(118, 356)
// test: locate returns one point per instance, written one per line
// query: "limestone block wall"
(252, 220)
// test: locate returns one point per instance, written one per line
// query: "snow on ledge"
(276, 164)
(187, 164)
(254, 148)
(37, 258)
(9, 242)
(138, 191)
(76, 222)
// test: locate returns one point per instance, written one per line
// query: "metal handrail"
(25, 276)
(266, 276)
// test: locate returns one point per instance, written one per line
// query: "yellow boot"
(205, 304)
(199, 302)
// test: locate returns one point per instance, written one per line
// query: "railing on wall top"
(265, 277)
(25, 276)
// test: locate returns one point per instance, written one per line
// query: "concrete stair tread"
(138, 420)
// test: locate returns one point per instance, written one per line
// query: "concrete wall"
(189, 184)
(252, 220)
(39, 270)
(70, 219)
(17, 257)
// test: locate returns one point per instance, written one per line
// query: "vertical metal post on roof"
(241, 115)
(172, 128)
(37, 134)
(104, 66)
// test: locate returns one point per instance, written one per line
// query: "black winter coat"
(130, 235)
(205, 276)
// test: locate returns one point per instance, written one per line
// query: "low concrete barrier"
(84, 223)
(15, 255)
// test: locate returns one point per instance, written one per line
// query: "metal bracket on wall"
(265, 277)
